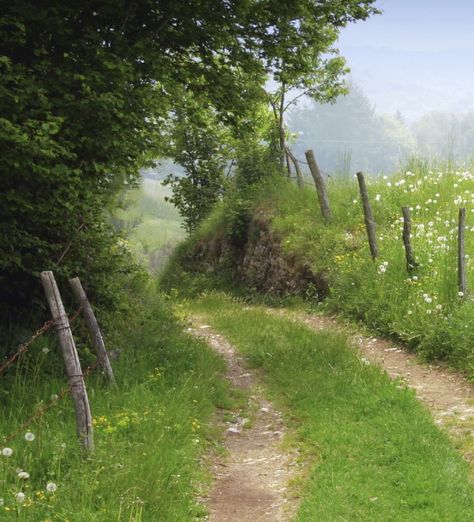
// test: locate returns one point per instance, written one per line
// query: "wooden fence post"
(94, 329)
(368, 216)
(411, 263)
(462, 279)
(320, 185)
(71, 361)
(299, 175)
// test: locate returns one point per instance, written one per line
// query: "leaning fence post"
(320, 185)
(94, 329)
(462, 279)
(299, 175)
(368, 216)
(411, 263)
(71, 361)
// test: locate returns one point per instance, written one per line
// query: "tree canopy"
(86, 91)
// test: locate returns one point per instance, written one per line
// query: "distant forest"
(350, 135)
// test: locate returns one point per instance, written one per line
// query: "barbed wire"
(43, 408)
(23, 348)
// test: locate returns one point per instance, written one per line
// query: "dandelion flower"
(29, 437)
(7, 452)
(51, 487)
(20, 497)
(23, 475)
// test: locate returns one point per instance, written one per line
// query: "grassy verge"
(378, 455)
(150, 434)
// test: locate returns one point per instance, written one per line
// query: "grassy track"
(377, 453)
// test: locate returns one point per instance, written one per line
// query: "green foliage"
(376, 454)
(87, 95)
(199, 144)
(149, 434)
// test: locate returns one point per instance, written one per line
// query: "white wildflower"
(23, 475)
(20, 497)
(51, 487)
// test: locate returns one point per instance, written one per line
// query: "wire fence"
(23, 348)
(42, 408)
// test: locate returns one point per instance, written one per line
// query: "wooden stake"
(71, 362)
(411, 263)
(368, 216)
(462, 279)
(94, 329)
(299, 175)
(320, 185)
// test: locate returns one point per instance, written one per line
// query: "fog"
(412, 90)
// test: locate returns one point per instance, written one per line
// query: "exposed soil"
(251, 481)
(449, 396)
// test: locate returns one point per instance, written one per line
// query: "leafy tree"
(86, 89)
(200, 144)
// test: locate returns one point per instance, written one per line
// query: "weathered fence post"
(411, 263)
(299, 175)
(368, 216)
(462, 279)
(320, 185)
(71, 361)
(94, 329)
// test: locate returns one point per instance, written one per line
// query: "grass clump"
(377, 453)
(150, 433)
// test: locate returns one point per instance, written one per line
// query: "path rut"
(251, 482)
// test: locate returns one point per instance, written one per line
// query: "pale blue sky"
(416, 25)
(417, 56)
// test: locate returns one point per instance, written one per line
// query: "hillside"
(422, 308)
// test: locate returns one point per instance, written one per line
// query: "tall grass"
(149, 434)
(422, 308)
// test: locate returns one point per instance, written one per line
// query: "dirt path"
(251, 482)
(448, 396)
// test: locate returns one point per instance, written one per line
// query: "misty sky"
(415, 57)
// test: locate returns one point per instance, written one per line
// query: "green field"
(152, 226)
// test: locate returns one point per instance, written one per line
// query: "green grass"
(150, 434)
(376, 453)
(422, 308)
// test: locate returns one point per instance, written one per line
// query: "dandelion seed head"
(51, 487)
(7, 452)
(29, 436)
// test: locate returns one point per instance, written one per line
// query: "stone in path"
(251, 482)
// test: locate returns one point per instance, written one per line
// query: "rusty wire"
(43, 408)
(25, 346)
